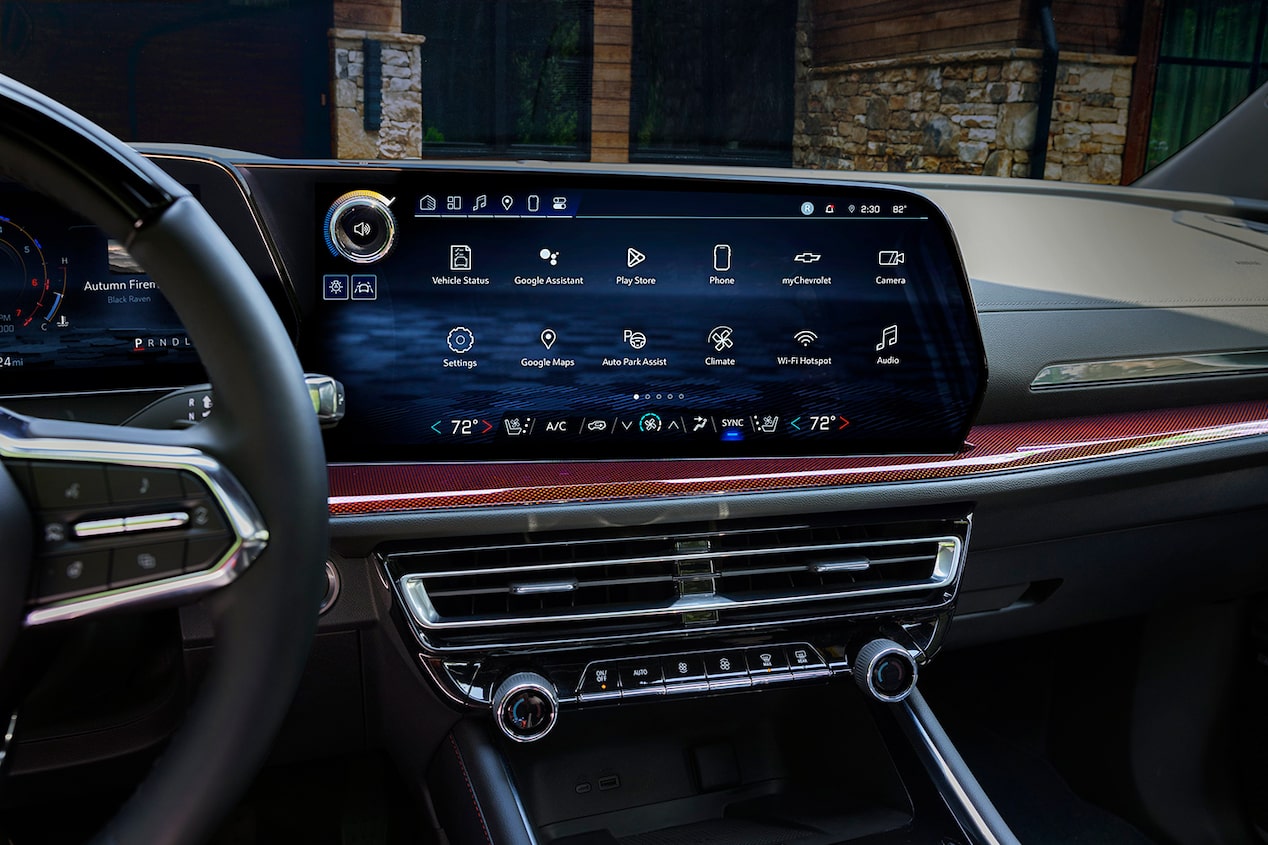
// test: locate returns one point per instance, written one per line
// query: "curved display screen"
(487, 314)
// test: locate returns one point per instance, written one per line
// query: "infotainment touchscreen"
(494, 314)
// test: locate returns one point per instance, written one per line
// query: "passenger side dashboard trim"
(366, 489)
(1129, 370)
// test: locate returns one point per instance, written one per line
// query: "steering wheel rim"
(263, 432)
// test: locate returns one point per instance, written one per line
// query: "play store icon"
(633, 257)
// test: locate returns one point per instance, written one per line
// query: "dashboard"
(535, 336)
(607, 436)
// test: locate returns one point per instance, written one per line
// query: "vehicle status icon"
(459, 257)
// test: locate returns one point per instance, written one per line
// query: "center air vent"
(551, 588)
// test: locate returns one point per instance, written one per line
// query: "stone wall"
(972, 112)
(401, 89)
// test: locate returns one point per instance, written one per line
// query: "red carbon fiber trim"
(357, 489)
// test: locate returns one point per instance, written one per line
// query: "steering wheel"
(236, 502)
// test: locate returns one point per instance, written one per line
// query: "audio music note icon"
(888, 337)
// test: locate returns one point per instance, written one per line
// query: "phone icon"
(722, 257)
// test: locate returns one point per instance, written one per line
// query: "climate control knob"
(885, 670)
(360, 227)
(525, 706)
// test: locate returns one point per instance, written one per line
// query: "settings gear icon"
(460, 339)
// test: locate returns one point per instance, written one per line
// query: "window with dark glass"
(1211, 56)
(713, 81)
(505, 77)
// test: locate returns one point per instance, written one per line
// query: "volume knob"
(360, 227)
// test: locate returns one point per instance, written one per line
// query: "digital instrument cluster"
(76, 311)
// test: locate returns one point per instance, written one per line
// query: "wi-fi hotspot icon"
(805, 338)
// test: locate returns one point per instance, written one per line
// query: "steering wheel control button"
(68, 576)
(525, 706)
(204, 552)
(139, 564)
(600, 681)
(361, 228)
(205, 516)
(142, 484)
(193, 487)
(767, 664)
(885, 670)
(641, 677)
(69, 485)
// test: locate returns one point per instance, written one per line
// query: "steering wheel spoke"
(134, 506)
(125, 518)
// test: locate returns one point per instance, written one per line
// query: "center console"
(666, 681)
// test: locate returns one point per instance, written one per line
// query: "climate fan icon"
(805, 338)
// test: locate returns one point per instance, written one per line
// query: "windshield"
(1070, 90)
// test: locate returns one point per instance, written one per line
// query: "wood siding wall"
(610, 100)
(863, 30)
(371, 15)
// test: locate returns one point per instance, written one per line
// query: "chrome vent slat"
(667, 556)
(650, 582)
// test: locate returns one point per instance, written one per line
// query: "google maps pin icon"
(548, 338)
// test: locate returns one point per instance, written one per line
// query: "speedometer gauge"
(32, 295)
(75, 302)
